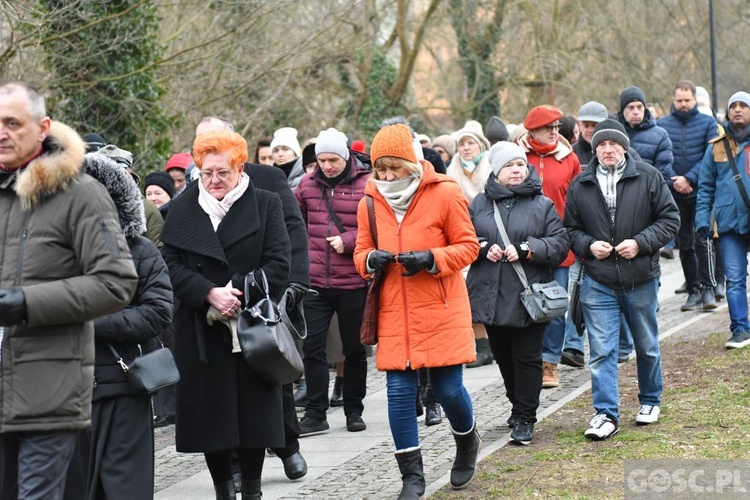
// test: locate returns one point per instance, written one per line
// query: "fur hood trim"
(58, 165)
(122, 189)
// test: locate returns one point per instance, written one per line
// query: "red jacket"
(425, 319)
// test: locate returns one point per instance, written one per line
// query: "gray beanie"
(332, 141)
(631, 94)
(496, 130)
(592, 111)
(504, 152)
(610, 130)
(739, 97)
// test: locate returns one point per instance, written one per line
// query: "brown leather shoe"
(549, 375)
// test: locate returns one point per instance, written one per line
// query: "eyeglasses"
(549, 128)
(221, 174)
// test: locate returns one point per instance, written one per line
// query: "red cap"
(540, 116)
(179, 160)
(358, 145)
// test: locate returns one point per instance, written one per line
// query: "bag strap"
(334, 218)
(504, 235)
(737, 177)
(117, 356)
(371, 218)
(580, 274)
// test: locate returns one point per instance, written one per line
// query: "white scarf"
(399, 194)
(216, 209)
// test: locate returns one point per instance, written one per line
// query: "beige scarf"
(216, 209)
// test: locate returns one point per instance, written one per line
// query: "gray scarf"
(608, 177)
(399, 194)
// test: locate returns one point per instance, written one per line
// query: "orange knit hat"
(393, 140)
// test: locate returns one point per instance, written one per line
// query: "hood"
(531, 186)
(122, 189)
(647, 122)
(60, 162)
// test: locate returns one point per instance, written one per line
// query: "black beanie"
(161, 179)
(631, 94)
(496, 130)
(94, 142)
(610, 130)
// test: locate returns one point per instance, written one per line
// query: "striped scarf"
(608, 177)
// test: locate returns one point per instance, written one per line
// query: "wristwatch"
(524, 246)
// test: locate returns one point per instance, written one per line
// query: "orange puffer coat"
(425, 319)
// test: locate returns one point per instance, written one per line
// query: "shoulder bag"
(149, 372)
(543, 301)
(368, 333)
(576, 311)
(266, 343)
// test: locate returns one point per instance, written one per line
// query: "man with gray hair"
(63, 262)
(620, 248)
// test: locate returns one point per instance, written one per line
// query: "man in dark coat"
(619, 241)
(273, 179)
(690, 132)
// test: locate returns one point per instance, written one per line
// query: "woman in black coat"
(115, 458)
(539, 242)
(218, 230)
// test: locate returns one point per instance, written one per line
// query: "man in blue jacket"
(690, 132)
(718, 191)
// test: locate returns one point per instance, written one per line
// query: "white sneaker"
(601, 427)
(647, 415)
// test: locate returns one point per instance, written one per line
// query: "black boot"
(412, 474)
(337, 397)
(251, 489)
(694, 301)
(225, 490)
(434, 415)
(484, 354)
(709, 298)
(467, 450)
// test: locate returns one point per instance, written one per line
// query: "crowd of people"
(99, 266)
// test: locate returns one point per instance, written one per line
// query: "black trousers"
(694, 251)
(349, 305)
(518, 352)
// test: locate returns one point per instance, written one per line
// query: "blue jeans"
(448, 386)
(734, 253)
(603, 311)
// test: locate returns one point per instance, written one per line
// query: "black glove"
(414, 262)
(294, 293)
(379, 259)
(703, 233)
(12, 306)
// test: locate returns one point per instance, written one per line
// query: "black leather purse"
(266, 343)
(149, 372)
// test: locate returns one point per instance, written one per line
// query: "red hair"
(221, 141)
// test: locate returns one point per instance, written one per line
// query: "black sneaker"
(309, 426)
(513, 420)
(572, 357)
(523, 433)
(354, 422)
(739, 340)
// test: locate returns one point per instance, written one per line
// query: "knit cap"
(286, 136)
(592, 111)
(424, 138)
(541, 116)
(631, 94)
(93, 141)
(447, 143)
(161, 179)
(332, 141)
(496, 130)
(179, 160)
(473, 129)
(610, 130)
(393, 140)
(739, 97)
(503, 152)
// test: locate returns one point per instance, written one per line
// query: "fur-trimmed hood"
(122, 189)
(59, 164)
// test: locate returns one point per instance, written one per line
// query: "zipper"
(443, 294)
(109, 239)
(21, 251)
(406, 312)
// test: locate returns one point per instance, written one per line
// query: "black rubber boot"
(484, 354)
(412, 474)
(467, 450)
(251, 489)
(225, 490)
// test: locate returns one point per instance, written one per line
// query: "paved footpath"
(361, 465)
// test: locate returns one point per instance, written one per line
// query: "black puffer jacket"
(135, 328)
(645, 212)
(494, 287)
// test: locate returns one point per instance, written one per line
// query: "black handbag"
(576, 310)
(149, 372)
(266, 343)
(543, 301)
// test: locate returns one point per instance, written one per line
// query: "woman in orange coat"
(425, 237)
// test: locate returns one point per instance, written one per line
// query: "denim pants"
(448, 385)
(603, 310)
(734, 253)
(561, 332)
(349, 305)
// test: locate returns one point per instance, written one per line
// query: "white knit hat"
(473, 129)
(332, 141)
(286, 136)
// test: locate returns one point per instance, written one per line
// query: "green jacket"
(61, 243)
